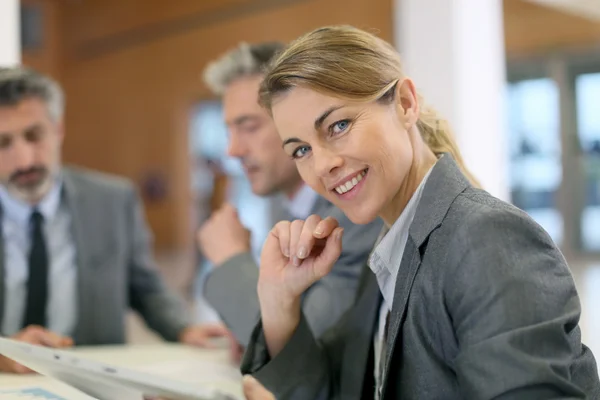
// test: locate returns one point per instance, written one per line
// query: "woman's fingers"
(253, 390)
(295, 232)
(307, 237)
(325, 227)
(331, 252)
(282, 231)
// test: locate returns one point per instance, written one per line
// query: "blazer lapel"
(444, 184)
(78, 209)
(411, 261)
(2, 262)
(359, 344)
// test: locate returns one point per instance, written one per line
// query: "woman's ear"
(407, 102)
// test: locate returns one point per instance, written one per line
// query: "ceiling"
(589, 9)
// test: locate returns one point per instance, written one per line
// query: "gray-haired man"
(75, 251)
(231, 287)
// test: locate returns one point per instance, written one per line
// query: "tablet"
(102, 381)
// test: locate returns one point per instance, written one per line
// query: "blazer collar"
(444, 184)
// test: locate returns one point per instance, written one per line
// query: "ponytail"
(438, 136)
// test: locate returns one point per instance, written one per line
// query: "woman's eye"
(300, 152)
(340, 126)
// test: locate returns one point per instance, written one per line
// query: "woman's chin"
(360, 217)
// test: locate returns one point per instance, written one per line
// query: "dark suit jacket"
(115, 266)
(484, 308)
(231, 288)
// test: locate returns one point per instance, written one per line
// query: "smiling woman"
(468, 296)
(357, 94)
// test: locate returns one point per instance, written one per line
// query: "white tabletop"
(177, 362)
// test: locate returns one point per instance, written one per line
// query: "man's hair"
(22, 83)
(244, 60)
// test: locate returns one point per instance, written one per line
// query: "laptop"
(102, 381)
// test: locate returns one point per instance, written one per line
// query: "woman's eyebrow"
(319, 121)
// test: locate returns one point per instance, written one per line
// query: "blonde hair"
(350, 63)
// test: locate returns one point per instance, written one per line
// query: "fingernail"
(286, 252)
(338, 235)
(248, 380)
(296, 261)
(319, 229)
(302, 252)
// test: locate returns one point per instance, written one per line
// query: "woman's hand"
(295, 255)
(253, 390)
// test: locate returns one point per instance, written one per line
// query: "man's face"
(254, 140)
(30, 143)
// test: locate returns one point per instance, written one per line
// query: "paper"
(29, 394)
(202, 373)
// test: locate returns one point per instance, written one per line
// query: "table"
(191, 365)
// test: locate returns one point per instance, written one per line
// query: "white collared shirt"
(302, 204)
(385, 262)
(62, 274)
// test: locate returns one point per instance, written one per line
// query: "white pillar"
(454, 51)
(10, 49)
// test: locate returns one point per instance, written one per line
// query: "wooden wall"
(533, 29)
(131, 70)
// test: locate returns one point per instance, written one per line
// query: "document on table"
(30, 393)
(203, 373)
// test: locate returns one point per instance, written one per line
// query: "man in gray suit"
(75, 251)
(231, 287)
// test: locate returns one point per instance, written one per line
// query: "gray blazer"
(115, 267)
(231, 288)
(484, 308)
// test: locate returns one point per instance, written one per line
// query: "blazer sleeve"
(162, 310)
(515, 312)
(304, 369)
(231, 290)
(231, 287)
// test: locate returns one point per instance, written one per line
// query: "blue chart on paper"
(29, 394)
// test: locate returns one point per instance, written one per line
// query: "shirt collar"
(389, 251)
(20, 211)
(302, 204)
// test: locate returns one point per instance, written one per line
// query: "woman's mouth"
(350, 188)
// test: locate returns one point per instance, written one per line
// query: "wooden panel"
(47, 58)
(131, 70)
(132, 17)
(531, 28)
(128, 105)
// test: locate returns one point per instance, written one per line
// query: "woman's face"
(356, 155)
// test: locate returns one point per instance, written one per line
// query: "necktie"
(37, 283)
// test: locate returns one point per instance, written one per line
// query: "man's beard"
(30, 189)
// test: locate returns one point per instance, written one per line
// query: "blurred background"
(519, 80)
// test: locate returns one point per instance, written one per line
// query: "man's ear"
(60, 129)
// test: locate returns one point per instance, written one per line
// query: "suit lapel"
(78, 207)
(359, 344)
(444, 184)
(2, 266)
(411, 261)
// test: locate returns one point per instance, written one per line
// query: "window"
(587, 92)
(535, 151)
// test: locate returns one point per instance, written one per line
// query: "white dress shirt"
(302, 204)
(61, 309)
(385, 262)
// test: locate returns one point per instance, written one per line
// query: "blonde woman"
(467, 298)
